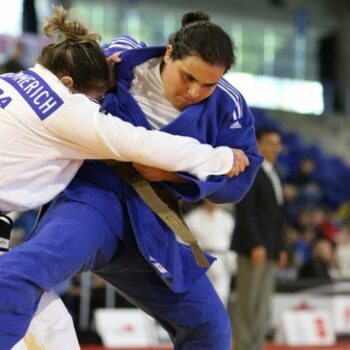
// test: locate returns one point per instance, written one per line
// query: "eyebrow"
(190, 76)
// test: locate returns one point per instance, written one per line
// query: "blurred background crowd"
(293, 69)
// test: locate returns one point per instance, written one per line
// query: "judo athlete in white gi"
(48, 126)
(99, 217)
(51, 328)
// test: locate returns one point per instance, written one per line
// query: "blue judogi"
(99, 218)
(210, 122)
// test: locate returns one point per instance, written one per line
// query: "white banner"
(128, 327)
(306, 328)
(341, 314)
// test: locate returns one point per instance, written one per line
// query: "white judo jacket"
(46, 132)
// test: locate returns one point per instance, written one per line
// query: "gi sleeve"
(236, 133)
(95, 135)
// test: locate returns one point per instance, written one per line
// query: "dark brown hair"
(200, 37)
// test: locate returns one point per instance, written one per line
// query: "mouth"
(187, 99)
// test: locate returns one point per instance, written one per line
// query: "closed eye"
(188, 77)
(208, 86)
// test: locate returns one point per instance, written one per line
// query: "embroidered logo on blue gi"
(236, 125)
(36, 92)
(158, 266)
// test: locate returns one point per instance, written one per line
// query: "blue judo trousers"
(99, 223)
(79, 233)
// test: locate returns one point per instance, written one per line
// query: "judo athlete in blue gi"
(99, 222)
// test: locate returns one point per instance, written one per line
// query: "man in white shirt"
(213, 225)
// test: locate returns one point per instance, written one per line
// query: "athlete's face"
(189, 80)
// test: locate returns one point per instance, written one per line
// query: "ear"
(67, 81)
(168, 52)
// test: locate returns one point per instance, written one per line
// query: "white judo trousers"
(51, 328)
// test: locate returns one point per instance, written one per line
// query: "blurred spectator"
(303, 176)
(303, 246)
(291, 240)
(14, 63)
(292, 205)
(213, 227)
(258, 240)
(309, 192)
(310, 220)
(329, 227)
(342, 252)
(321, 262)
(343, 213)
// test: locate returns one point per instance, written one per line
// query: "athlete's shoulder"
(122, 43)
(231, 97)
(38, 88)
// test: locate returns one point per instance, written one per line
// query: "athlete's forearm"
(99, 136)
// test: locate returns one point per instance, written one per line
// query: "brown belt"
(164, 205)
(32, 342)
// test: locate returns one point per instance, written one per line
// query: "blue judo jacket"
(223, 119)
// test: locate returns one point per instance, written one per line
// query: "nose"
(193, 90)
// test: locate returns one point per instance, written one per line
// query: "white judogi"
(213, 230)
(51, 328)
(46, 132)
